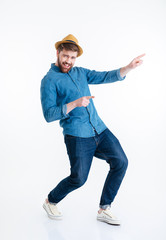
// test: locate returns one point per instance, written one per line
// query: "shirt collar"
(55, 68)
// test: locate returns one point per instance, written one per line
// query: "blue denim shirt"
(58, 89)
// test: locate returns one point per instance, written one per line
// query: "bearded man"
(65, 96)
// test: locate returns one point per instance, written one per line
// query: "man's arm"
(97, 77)
(134, 63)
(51, 110)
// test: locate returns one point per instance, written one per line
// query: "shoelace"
(108, 212)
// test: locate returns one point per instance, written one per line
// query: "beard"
(64, 66)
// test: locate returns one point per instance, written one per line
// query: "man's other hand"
(83, 101)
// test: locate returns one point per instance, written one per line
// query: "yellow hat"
(70, 39)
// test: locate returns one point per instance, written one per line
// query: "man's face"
(66, 60)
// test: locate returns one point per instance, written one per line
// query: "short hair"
(68, 46)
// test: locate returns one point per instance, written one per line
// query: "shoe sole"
(117, 223)
(50, 216)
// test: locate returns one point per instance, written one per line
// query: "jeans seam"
(96, 141)
(105, 190)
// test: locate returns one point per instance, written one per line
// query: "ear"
(57, 53)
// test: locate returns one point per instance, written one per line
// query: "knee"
(77, 181)
(120, 163)
(123, 164)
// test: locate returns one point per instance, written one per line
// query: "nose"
(68, 60)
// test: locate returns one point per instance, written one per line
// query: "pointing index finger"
(140, 56)
(88, 97)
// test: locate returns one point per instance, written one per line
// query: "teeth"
(66, 65)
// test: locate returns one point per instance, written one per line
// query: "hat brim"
(80, 52)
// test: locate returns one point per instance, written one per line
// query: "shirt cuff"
(120, 78)
(64, 110)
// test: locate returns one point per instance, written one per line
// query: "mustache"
(67, 63)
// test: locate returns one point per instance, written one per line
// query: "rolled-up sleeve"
(64, 111)
(120, 78)
(51, 110)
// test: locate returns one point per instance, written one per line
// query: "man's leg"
(81, 152)
(110, 150)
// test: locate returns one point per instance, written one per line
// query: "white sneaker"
(52, 211)
(106, 216)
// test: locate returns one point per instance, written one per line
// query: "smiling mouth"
(66, 65)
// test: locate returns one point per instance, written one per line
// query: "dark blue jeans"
(81, 152)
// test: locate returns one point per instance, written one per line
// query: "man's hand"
(83, 101)
(80, 102)
(133, 64)
(136, 62)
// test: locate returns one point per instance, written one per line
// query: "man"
(65, 96)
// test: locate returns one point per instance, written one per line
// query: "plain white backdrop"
(33, 155)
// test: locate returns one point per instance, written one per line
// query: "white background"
(33, 155)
